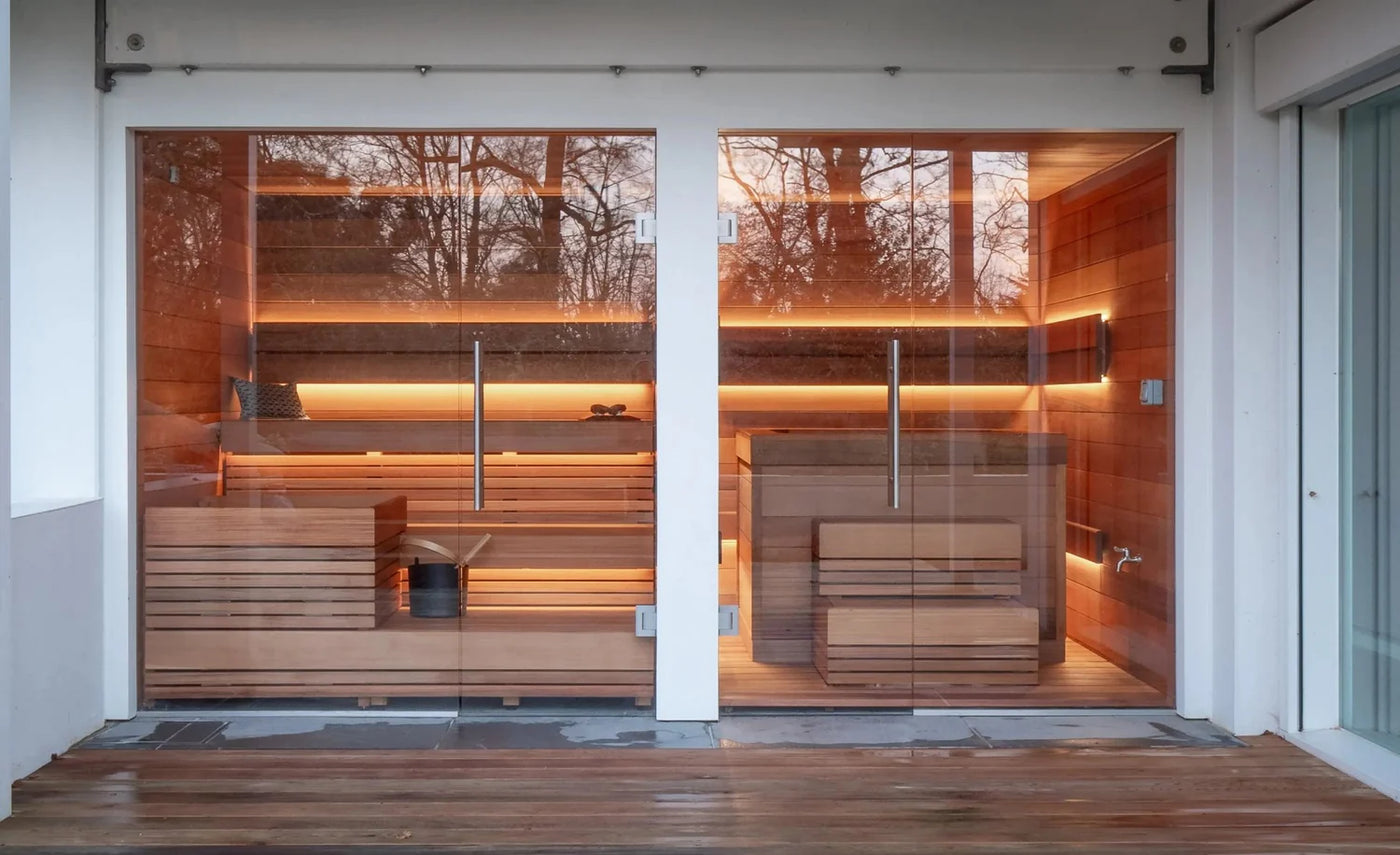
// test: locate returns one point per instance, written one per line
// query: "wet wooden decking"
(1267, 797)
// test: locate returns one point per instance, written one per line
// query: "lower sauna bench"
(489, 653)
(901, 642)
(303, 600)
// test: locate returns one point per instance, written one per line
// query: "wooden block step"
(901, 539)
(329, 562)
(899, 621)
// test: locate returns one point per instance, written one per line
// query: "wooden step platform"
(906, 605)
(913, 642)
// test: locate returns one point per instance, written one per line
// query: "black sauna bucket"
(435, 588)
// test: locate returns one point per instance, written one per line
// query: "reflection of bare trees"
(836, 220)
(1001, 226)
(181, 214)
(436, 217)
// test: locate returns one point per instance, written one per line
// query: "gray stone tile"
(491, 709)
(580, 732)
(305, 732)
(1121, 730)
(136, 733)
(195, 734)
(845, 731)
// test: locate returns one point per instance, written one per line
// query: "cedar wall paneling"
(193, 282)
(1108, 245)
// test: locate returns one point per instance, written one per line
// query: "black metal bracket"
(105, 72)
(1207, 71)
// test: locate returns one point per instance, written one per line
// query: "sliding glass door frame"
(1314, 219)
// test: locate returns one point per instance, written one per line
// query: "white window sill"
(1360, 758)
(43, 506)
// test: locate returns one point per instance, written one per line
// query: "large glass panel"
(1370, 643)
(815, 302)
(322, 313)
(1028, 280)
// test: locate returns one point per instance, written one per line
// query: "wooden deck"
(1084, 679)
(1268, 797)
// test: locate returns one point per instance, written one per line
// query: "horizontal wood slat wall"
(1108, 245)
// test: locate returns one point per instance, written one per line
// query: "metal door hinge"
(646, 227)
(646, 621)
(728, 228)
(728, 620)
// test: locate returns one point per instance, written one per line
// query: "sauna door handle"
(478, 447)
(892, 436)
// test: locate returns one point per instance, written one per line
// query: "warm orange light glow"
(463, 460)
(868, 316)
(387, 312)
(1072, 312)
(454, 400)
(1084, 565)
(870, 399)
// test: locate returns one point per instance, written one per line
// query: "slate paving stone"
(346, 734)
(137, 733)
(195, 733)
(580, 732)
(846, 731)
(1137, 731)
(546, 727)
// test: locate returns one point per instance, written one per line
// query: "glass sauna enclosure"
(946, 413)
(358, 352)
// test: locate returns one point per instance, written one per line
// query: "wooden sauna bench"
(791, 480)
(488, 653)
(551, 600)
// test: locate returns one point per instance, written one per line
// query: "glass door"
(397, 433)
(1042, 421)
(815, 332)
(946, 404)
(558, 301)
(984, 500)
(1370, 643)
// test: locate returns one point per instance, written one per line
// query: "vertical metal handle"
(478, 447)
(892, 374)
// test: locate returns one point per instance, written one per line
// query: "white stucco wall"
(50, 551)
(53, 366)
(56, 673)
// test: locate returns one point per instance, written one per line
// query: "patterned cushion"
(268, 400)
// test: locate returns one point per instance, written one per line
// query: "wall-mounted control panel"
(1150, 393)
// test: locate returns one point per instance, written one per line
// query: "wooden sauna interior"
(367, 269)
(1029, 281)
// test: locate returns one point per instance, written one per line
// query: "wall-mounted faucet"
(1127, 558)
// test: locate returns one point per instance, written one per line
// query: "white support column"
(1321, 310)
(687, 422)
(7, 641)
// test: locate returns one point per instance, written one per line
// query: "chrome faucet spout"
(1126, 557)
